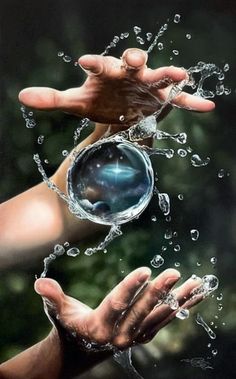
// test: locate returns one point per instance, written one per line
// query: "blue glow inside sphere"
(110, 182)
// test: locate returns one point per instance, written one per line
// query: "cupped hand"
(116, 91)
(133, 312)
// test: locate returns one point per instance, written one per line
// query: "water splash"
(164, 203)
(198, 362)
(124, 358)
(200, 321)
(157, 261)
(57, 252)
(28, 117)
(199, 162)
(114, 232)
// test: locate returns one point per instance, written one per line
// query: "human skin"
(139, 91)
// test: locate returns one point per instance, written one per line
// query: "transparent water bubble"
(182, 153)
(221, 173)
(199, 264)
(164, 203)
(177, 264)
(182, 314)
(214, 352)
(137, 29)
(67, 58)
(160, 46)
(60, 53)
(213, 260)
(181, 196)
(116, 39)
(111, 182)
(154, 218)
(177, 18)
(168, 234)
(188, 36)
(58, 250)
(199, 162)
(122, 118)
(140, 40)
(149, 36)
(210, 283)
(227, 91)
(126, 35)
(66, 244)
(30, 123)
(194, 234)
(226, 67)
(220, 89)
(220, 297)
(73, 252)
(175, 52)
(177, 248)
(168, 218)
(40, 139)
(157, 261)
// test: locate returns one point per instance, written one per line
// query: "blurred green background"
(32, 33)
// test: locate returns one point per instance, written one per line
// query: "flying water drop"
(199, 162)
(157, 261)
(194, 234)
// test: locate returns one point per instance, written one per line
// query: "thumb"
(42, 98)
(134, 59)
(51, 293)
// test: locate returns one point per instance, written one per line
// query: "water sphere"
(110, 182)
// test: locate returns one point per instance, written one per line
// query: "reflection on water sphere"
(111, 182)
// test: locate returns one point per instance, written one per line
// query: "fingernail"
(144, 276)
(171, 281)
(38, 287)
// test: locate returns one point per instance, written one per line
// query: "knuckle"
(122, 341)
(117, 305)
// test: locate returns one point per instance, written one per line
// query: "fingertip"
(47, 287)
(91, 63)
(135, 58)
(172, 272)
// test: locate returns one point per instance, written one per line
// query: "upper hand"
(116, 87)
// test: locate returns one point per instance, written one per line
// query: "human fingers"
(163, 314)
(163, 76)
(143, 305)
(134, 59)
(51, 293)
(120, 298)
(42, 98)
(193, 103)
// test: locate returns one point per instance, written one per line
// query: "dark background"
(32, 33)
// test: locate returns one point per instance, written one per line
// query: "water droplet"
(137, 29)
(188, 36)
(194, 234)
(30, 123)
(199, 162)
(182, 314)
(227, 91)
(220, 89)
(157, 261)
(213, 260)
(140, 40)
(126, 35)
(220, 307)
(58, 250)
(177, 248)
(175, 234)
(105, 251)
(73, 252)
(168, 234)
(177, 18)
(116, 39)
(181, 196)
(149, 36)
(67, 58)
(199, 264)
(65, 153)
(223, 323)
(122, 118)
(220, 297)
(164, 203)
(182, 153)
(163, 248)
(200, 321)
(210, 283)
(40, 139)
(209, 345)
(66, 244)
(60, 53)
(189, 149)
(171, 300)
(154, 218)
(46, 161)
(226, 67)
(160, 46)
(177, 264)
(214, 352)
(168, 218)
(175, 52)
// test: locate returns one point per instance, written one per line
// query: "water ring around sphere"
(110, 182)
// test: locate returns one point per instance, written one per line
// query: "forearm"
(54, 358)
